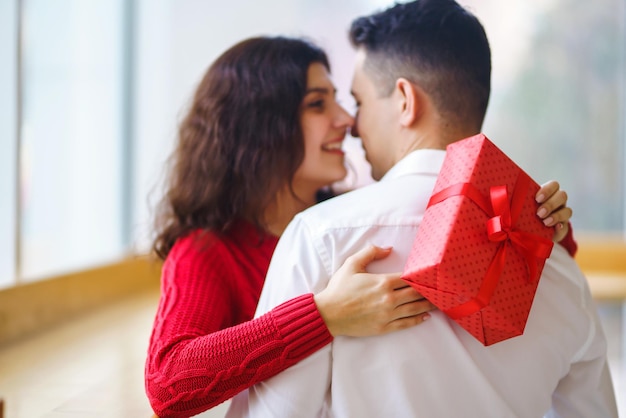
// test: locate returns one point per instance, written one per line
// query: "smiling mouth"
(333, 146)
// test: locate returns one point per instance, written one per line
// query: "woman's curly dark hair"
(241, 140)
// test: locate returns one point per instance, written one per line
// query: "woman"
(262, 136)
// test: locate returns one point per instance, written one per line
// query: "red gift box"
(480, 249)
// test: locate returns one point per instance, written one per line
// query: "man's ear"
(411, 101)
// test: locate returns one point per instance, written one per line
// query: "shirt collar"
(423, 161)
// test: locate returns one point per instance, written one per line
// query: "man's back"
(436, 369)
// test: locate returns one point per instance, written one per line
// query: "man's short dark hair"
(436, 44)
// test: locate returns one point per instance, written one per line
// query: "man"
(421, 82)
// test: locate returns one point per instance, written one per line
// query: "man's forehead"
(359, 76)
(359, 58)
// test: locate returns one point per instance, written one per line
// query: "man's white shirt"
(557, 368)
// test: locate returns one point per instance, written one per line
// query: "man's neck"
(432, 137)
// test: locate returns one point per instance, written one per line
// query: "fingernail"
(540, 198)
(425, 317)
(560, 225)
(542, 212)
(548, 221)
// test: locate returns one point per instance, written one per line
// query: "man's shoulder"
(350, 205)
(349, 198)
(388, 203)
(560, 264)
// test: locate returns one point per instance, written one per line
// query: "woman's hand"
(553, 210)
(359, 304)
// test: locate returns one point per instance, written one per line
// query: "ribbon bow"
(500, 228)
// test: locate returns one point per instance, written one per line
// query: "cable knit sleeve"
(569, 243)
(196, 361)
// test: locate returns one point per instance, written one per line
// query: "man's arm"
(297, 267)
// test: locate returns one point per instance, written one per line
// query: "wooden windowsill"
(29, 308)
(605, 254)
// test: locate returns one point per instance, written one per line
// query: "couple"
(261, 139)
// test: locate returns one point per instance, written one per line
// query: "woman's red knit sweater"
(205, 347)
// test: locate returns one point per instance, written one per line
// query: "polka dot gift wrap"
(480, 249)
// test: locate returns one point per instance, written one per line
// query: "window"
(72, 133)
(8, 133)
(557, 104)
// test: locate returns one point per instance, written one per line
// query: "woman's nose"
(344, 118)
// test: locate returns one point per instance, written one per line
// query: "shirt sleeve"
(297, 267)
(194, 363)
(587, 389)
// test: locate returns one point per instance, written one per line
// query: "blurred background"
(91, 92)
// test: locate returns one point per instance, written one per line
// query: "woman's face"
(324, 126)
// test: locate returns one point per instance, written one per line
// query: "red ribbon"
(500, 228)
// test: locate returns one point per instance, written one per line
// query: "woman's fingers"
(553, 210)
(358, 261)
(546, 190)
(407, 322)
(561, 230)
